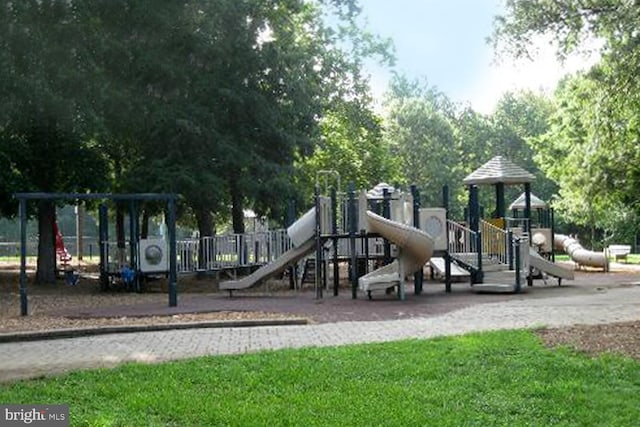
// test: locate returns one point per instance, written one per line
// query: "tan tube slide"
(416, 248)
(580, 255)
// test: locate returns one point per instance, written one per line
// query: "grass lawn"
(631, 258)
(501, 378)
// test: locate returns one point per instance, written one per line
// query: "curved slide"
(302, 235)
(416, 248)
(580, 255)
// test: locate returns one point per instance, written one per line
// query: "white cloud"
(540, 74)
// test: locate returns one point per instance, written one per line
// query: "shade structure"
(536, 203)
(499, 170)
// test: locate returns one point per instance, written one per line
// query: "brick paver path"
(28, 359)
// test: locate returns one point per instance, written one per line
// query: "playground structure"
(383, 235)
(130, 272)
(496, 255)
(349, 228)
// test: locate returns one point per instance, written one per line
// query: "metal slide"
(546, 266)
(416, 248)
(580, 255)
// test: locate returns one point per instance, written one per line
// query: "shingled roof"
(497, 170)
(536, 203)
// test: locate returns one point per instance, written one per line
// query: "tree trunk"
(237, 211)
(205, 228)
(46, 268)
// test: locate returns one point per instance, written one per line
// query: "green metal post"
(24, 310)
(500, 204)
(318, 281)
(510, 248)
(474, 208)
(386, 213)
(103, 232)
(479, 275)
(527, 206)
(418, 277)
(173, 268)
(447, 257)
(352, 240)
(334, 231)
(518, 266)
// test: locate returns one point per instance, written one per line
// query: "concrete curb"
(102, 330)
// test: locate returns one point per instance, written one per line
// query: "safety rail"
(231, 250)
(465, 245)
(495, 242)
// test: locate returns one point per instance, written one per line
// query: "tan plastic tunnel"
(580, 255)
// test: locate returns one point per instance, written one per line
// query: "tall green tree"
(420, 128)
(597, 111)
(351, 144)
(42, 135)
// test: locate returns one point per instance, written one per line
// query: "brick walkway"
(598, 305)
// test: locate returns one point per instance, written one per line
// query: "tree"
(42, 141)
(351, 144)
(420, 128)
(597, 111)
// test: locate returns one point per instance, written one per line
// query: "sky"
(444, 41)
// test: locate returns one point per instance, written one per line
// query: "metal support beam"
(418, 277)
(24, 309)
(173, 268)
(386, 213)
(334, 231)
(318, 232)
(353, 228)
(103, 241)
(500, 204)
(474, 208)
(527, 207)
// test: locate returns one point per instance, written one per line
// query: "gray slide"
(552, 269)
(302, 235)
(269, 270)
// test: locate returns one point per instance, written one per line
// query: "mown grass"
(631, 258)
(500, 378)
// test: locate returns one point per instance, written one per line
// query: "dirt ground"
(47, 302)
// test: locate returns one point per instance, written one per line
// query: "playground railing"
(464, 244)
(232, 250)
(495, 242)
